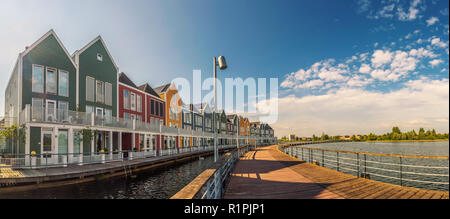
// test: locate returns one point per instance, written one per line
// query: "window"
(139, 118)
(126, 101)
(51, 81)
(161, 109)
(126, 116)
(63, 110)
(89, 109)
(108, 94)
(37, 82)
(37, 109)
(151, 120)
(108, 114)
(132, 117)
(157, 108)
(152, 105)
(138, 103)
(63, 84)
(133, 101)
(99, 57)
(90, 84)
(100, 92)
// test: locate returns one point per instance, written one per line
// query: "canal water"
(413, 172)
(157, 184)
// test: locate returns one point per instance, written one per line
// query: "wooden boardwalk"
(270, 174)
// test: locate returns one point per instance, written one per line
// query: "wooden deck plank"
(294, 178)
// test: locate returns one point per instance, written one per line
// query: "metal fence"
(210, 184)
(44, 161)
(426, 172)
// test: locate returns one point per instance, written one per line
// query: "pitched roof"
(99, 38)
(123, 78)
(148, 89)
(162, 89)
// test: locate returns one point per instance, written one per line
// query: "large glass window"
(63, 110)
(138, 103)
(126, 116)
(152, 106)
(108, 94)
(133, 101)
(100, 92)
(90, 84)
(63, 84)
(51, 81)
(63, 142)
(37, 109)
(161, 110)
(157, 108)
(37, 82)
(126, 101)
(89, 109)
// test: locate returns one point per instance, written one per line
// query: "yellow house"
(169, 93)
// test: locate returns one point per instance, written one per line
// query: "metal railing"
(426, 172)
(211, 182)
(48, 160)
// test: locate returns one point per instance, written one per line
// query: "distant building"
(292, 137)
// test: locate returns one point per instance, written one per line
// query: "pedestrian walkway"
(267, 173)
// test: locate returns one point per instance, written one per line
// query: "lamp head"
(222, 63)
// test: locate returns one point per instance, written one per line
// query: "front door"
(47, 144)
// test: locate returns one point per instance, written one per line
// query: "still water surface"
(159, 184)
(414, 172)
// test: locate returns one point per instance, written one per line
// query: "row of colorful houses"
(57, 97)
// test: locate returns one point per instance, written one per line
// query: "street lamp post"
(222, 65)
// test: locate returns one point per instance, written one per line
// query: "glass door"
(47, 144)
(51, 111)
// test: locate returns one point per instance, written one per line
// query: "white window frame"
(35, 109)
(126, 99)
(94, 89)
(99, 109)
(139, 103)
(42, 76)
(99, 57)
(59, 83)
(54, 109)
(133, 101)
(108, 95)
(63, 112)
(100, 98)
(47, 81)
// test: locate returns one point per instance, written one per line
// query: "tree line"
(395, 135)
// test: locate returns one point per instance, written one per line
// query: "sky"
(343, 67)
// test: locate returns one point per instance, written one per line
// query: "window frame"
(47, 69)
(102, 96)
(42, 76)
(94, 89)
(59, 82)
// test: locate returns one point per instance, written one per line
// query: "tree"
(396, 130)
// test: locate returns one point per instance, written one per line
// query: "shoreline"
(434, 140)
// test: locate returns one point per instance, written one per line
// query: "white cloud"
(411, 14)
(380, 58)
(421, 52)
(432, 21)
(435, 41)
(436, 62)
(422, 102)
(365, 68)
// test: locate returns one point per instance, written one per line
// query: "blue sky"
(326, 54)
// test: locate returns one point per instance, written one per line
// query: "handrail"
(376, 154)
(362, 167)
(209, 184)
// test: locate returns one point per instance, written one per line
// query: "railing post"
(323, 158)
(401, 180)
(365, 166)
(358, 163)
(337, 156)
